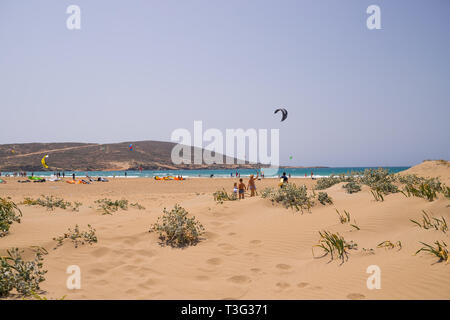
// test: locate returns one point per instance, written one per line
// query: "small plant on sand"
(440, 250)
(107, 206)
(335, 245)
(36, 296)
(432, 223)
(176, 229)
(352, 187)
(324, 198)
(9, 213)
(389, 245)
(23, 276)
(78, 237)
(51, 202)
(377, 194)
(221, 195)
(137, 206)
(343, 218)
(290, 196)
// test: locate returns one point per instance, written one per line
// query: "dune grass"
(335, 245)
(324, 198)
(430, 222)
(389, 245)
(439, 250)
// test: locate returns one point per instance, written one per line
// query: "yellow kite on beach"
(43, 162)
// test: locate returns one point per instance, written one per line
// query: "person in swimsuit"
(242, 189)
(252, 185)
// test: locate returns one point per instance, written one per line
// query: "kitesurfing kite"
(284, 112)
(44, 163)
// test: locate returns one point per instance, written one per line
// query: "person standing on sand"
(252, 185)
(242, 189)
(285, 179)
(73, 176)
(125, 174)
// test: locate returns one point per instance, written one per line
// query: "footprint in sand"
(283, 266)
(255, 242)
(255, 270)
(214, 261)
(356, 296)
(240, 279)
(202, 278)
(283, 285)
(232, 234)
(302, 284)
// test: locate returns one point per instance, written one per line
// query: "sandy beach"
(252, 249)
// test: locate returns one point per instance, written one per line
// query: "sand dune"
(252, 249)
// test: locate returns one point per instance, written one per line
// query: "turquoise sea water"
(295, 172)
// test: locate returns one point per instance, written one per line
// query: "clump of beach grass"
(324, 198)
(9, 213)
(23, 276)
(51, 202)
(221, 195)
(290, 196)
(77, 237)
(389, 245)
(432, 222)
(335, 245)
(176, 229)
(108, 206)
(345, 218)
(439, 250)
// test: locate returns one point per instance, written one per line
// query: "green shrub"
(51, 202)
(326, 182)
(107, 206)
(221, 195)
(352, 187)
(176, 229)
(290, 196)
(9, 213)
(24, 276)
(324, 198)
(78, 237)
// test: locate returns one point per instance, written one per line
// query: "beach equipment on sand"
(44, 164)
(283, 111)
(169, 178)
(34, 178)
(2, 181)
(130, 147)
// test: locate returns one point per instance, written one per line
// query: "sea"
(217, 173)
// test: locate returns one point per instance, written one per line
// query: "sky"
(138, 70)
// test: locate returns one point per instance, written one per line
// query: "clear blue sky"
(137, 70)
